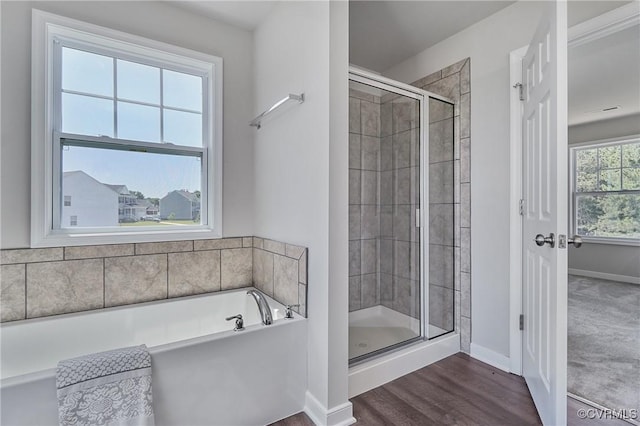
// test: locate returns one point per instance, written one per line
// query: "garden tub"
(204, 372)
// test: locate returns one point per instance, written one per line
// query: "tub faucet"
(289, 311)
(239, 322)
(263, 306)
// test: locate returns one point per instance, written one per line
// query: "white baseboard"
(341, 415)
(490, 357)
(605, 276)
(314, 409)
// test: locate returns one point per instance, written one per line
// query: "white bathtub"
(204, 373)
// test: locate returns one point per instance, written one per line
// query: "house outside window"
(132, 121)
(73, 221)
(606, 190)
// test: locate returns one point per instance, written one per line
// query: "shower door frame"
(422, 96)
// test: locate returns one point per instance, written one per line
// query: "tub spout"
(263, 306)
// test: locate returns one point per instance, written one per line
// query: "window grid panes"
(606, 193)
(129, 100)
(132, 142)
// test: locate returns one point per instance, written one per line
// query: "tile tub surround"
(280, 271)
(42, 282)
(452, 82)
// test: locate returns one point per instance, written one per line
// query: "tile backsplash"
(41, 282)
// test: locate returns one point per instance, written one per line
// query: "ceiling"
(402, 28)
(581, 10)
(384, 33)
(246, 14)
(604, 74)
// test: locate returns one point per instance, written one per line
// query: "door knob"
(576, 241)
(542, 240)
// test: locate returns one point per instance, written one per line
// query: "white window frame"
(573, 194)
(45, 158)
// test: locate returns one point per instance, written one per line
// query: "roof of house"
(120, 189)
(80, 172)
(186, 194)
(145, 204)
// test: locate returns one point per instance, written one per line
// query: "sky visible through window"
(142, 103)
(154, 175)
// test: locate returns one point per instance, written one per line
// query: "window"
(606, 190)
(129, 123)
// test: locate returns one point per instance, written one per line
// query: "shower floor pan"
(378, 327)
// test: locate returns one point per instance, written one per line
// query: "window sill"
(62, 239)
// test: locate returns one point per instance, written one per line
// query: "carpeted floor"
(604, 342)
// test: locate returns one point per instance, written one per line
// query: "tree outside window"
(606, 193)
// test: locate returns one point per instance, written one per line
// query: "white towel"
(106, 388)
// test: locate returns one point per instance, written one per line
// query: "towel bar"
(257, 122)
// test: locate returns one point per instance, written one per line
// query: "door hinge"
(520, 88)
(521, 206)
(521, 322)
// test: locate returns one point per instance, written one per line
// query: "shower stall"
(401, 215)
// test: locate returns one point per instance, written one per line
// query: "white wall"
(338, 305)
(605, 129)
(295, 154)
(605, 258)
(488, 43)
(155, 20)
(593, 259)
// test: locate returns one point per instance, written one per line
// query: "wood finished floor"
(457, 390)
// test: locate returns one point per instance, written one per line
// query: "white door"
(544, 149)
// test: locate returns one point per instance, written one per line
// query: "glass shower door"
(385, 157)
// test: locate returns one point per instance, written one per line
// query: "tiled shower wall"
(364, 223)
(441, 215)
(371, 149)
(384, 171)
(453, 82)
(50, 281)
(399, 241)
